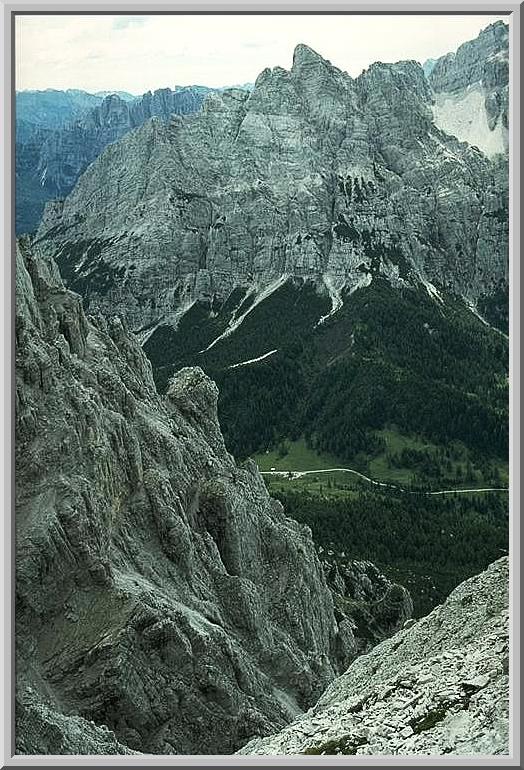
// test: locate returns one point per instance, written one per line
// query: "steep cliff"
(51, 155)
(471, 90)
(68, 152)
(313, 176)
(38, 116)
(438, 687)
(164, 603)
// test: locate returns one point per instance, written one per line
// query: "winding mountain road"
(292, 475)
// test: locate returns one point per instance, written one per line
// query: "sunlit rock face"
(471, 90)
(313, 176)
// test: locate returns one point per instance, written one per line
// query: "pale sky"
(141, 53)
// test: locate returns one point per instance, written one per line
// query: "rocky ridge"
(51, 158)
(313, 176)
(471, 89)
(164, 603)
(440, 686)
(51, 109)
(68, 152)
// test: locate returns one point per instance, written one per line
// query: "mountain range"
(279, 226)
(341, 167)
(57, 138)
(332, 252)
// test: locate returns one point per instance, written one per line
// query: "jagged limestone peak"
(219, 200)
(304, 55)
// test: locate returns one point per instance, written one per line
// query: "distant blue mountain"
(125, 95)
(51, 108)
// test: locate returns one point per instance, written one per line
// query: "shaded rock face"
(38, 116)
(437, 687)
(42, 730)
(471, 90)
(51, 158)
(312, 175)
(164, 603)
(51, 108)
(377, 607)
(67, 153)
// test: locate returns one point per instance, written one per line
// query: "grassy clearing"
(324, 485)
(459, 471)
(295, 456)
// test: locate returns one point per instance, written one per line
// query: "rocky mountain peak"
(304, 56)
(224, 101)
(190, 206)
(50, 162)
(403, 89)
(471, 89)
(466, 66)
(497, 33)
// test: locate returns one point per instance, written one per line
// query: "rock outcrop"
(68, 152)
(377, 607)
(440, 686)
(164, 603)
(51, 157)
(471, 90)
(313, 176)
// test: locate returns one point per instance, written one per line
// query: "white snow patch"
(336, 299)
(463, 115)
(432, 290)
(235, 322)
(253, 360)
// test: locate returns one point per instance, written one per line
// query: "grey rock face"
(160, 591)
(313, 175)
(472, 90)
(67, 153)
(49, 162)
(428, 66)
(41, 730)
(39, 115)
(437, 687)
(30, 195)
(474, 61)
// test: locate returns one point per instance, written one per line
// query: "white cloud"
(138, 53)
